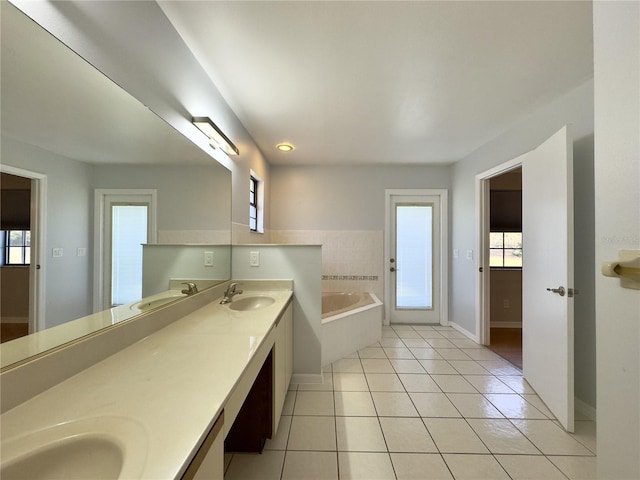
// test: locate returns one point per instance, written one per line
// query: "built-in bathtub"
(350, 321)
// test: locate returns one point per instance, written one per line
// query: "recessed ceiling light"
(285, 147)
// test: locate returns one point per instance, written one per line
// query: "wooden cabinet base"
(253, 425)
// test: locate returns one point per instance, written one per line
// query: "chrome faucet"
(232, 290)
(191, 288)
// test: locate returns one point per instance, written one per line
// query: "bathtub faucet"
(230, 292)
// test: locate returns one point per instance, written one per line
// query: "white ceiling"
(422, 82)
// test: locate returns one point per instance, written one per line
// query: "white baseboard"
(465, 332)
(585, 409)
(506, 324)
(306, 378)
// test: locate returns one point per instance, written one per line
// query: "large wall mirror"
(70, 135)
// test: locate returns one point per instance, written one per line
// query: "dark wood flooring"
(9, 331)
(507, 342)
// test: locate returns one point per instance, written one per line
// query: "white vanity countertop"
(44, 340)
(173, 383)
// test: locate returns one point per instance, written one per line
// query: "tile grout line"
(335, 421)
(384, 438)
(476, 391)
(466, 419)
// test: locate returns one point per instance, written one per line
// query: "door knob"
(392, 269)
(560, 291)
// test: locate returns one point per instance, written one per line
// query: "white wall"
(135, 45)
(343, 209)
(342, 198)
(68, 279)
(193, 201)
(163, 263)
(506, 298)
(575, 108)
(617, 224)
(302, 264)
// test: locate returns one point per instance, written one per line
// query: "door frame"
(483, 280)
(38, 220)
(100, 196)
(443, 194)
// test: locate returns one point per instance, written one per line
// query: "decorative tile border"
(350, 277)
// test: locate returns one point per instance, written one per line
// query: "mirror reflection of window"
(129, 232)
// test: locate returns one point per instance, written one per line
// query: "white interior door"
(414, 264)
(547, 214)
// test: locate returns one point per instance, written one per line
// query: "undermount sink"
(79, 457)
(98, 448)
(145, 305)
(255, 302)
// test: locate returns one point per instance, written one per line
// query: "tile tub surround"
(392, 418)
(351, 259)
(188, 368)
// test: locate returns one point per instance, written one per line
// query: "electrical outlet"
(208, 259)
(56, 252)
(254, 259)
(469, 254)
(506, 303)
(81, 252)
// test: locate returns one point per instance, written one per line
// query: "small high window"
(505, 249)
(253, 204)
(256, 203)
(17, 247)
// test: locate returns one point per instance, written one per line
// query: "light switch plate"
(254, 259)
(208, 259)
(57, 252)
(469, 254)
(81, 252)
(456, 253)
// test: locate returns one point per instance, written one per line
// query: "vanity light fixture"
(285, 147)
(217, 139)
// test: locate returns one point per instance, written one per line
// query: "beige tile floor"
(423, 403)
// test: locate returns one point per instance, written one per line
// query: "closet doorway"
(547, 270)
(505, 264)
(22, 219)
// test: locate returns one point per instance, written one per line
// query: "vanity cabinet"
(283, 363)
(254, 408)
(208, 463)
(231, 360)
